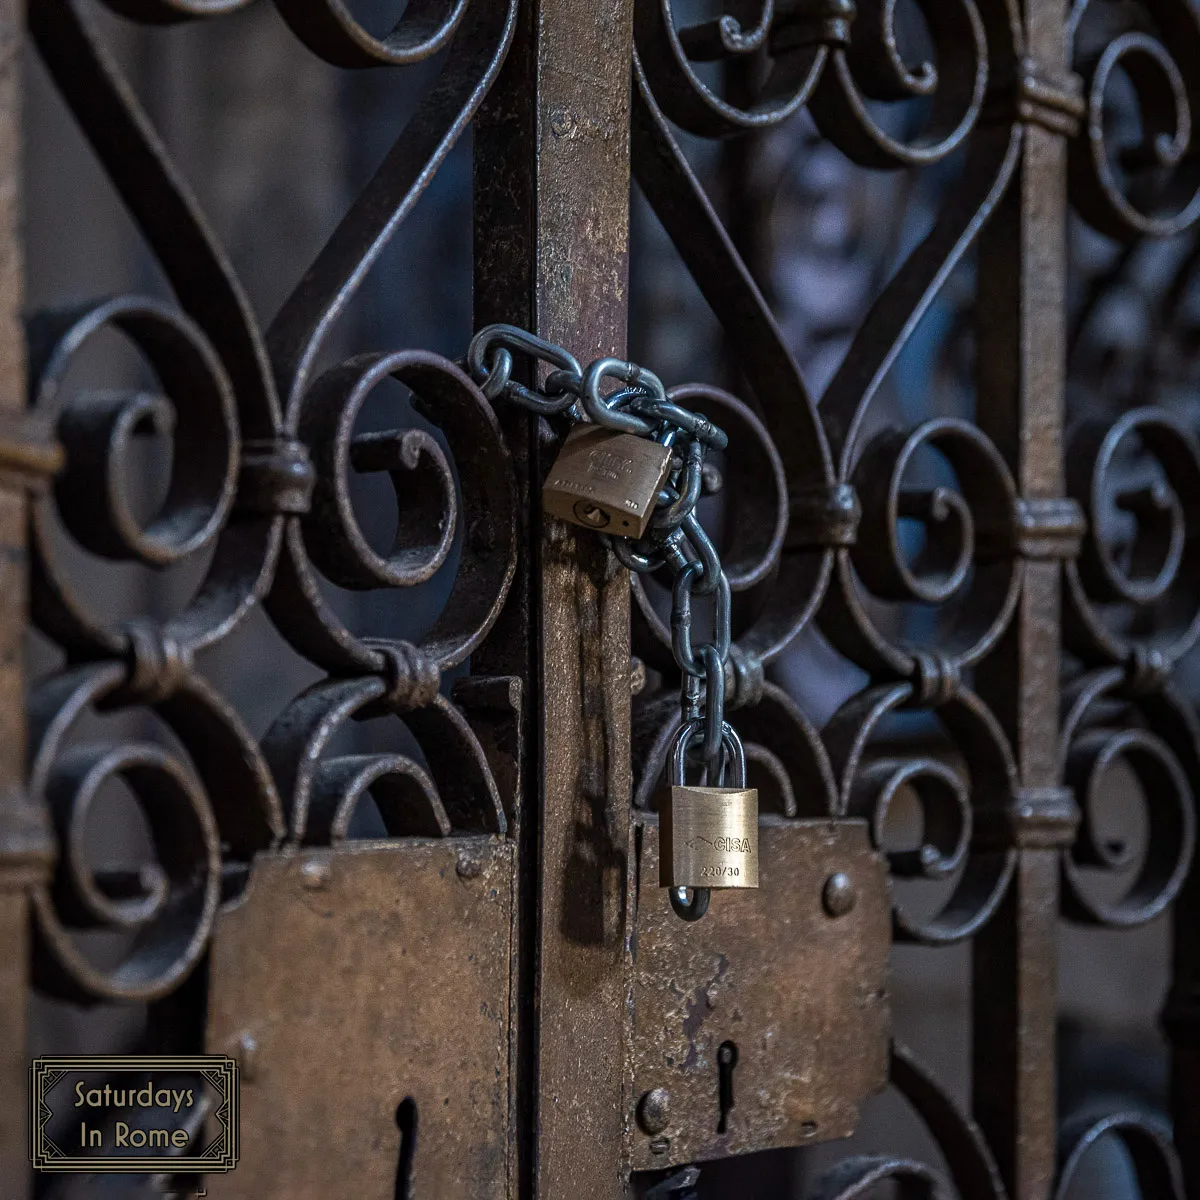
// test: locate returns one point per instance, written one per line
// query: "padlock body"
(709, 838)
(606, 480)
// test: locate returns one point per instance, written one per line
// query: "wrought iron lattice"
(1019, 568)
(264, 445)
(987, 90)
(263, 437)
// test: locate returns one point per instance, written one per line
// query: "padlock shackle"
(690, 731)
(689, 903)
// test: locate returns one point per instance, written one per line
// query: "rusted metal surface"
(555, 138)
(28, 456)
(1021, 401)
(796, 995)
(263, 486)
(345, 1019)
(1053, 653)
(265, 442)
(14, 1061)
(1008, 827)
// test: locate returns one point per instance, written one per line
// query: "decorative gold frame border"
(220, 1071)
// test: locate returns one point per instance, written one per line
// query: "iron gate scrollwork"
(263, 437)
(1021, 98)
(1012, 572)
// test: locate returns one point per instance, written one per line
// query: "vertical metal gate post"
(552, 253)
(1021, 379)
(24, 841)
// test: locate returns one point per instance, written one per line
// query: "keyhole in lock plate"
(406, 1119)
(727, 1057)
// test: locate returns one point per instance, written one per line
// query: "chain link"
(675, 540)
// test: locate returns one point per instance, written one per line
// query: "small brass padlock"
(607, 480)
(708, 835)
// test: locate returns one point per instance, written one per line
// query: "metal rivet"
(469, 868)
(654, 1111)
(838, 895)
(314, 874)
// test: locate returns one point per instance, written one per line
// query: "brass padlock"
(708, 835)
(607, 480)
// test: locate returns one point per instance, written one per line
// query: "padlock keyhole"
(727, 1057)
(406, 1120)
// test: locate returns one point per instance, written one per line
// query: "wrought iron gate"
(422, 908)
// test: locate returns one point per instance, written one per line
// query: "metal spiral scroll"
(815, 499)
(1134, 617)
(970, 1169)
(1149, 186)
(851, 490)
(1131, 617)
(831, 504)
(1131, 613)
(263, 443)
(831, 55)
(1144, 468)
(1147, 1143)
(825, 514)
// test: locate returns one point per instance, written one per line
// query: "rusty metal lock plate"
(766, 1023)
(350, 983)
(606, 480)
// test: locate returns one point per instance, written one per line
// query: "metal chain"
(675, 540)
